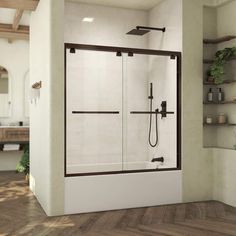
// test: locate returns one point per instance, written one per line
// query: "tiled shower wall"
(109, 28)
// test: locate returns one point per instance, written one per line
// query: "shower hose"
(150, 128)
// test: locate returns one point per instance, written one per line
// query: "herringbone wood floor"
(20, 214)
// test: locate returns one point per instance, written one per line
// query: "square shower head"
(139, 32)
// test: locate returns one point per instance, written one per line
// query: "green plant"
(217, 68)
(24, 165)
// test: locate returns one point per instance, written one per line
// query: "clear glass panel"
(94, 91)
(109, 100)
(140, 71)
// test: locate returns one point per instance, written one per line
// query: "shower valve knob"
(163, 109)
(158, 159)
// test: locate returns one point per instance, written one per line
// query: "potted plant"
(24, 165)
(217, 68)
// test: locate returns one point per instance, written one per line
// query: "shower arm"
(150, 28)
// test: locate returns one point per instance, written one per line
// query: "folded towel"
(11, 147)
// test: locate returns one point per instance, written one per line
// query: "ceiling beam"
(29, 5)
(17, 19)
(7, 32)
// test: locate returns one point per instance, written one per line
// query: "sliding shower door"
(135, 127)
(122, 110)
(93, 112)
(150, 139)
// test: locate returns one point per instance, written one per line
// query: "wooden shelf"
(220, 103)
(228, 81)
(219, 40)
(217, 124)
(14, 142)
(219, 147)
(210, 61)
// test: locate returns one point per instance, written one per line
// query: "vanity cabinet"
(14, 135)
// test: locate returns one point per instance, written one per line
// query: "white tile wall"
(102, 81)
(162, 73)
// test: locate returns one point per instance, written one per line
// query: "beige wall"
(209, 31)
(46, 64)
(225, 160)
(215, 167)
(226, 19)
(209, 22)
(197, 162)
(224, 176)
(57, 107)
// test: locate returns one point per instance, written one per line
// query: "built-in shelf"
(220, 147)
(219, 103)
(21, 147)
(228, 81)
(219, 40)
(217, 124)
(210, 61)
(207, 64)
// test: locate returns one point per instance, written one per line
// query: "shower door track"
(172, 54)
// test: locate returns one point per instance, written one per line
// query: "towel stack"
(11, 147)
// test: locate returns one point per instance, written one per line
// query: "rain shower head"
(138, 32)
(141, 30)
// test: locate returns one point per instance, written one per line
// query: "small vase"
(210, 79)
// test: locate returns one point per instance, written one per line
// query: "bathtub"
(120, 191)
(103, 167)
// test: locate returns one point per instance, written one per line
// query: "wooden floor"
(20, 214)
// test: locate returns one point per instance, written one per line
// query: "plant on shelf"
(217, 68)
(23, 166)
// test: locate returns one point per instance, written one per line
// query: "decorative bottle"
(210, 95)
(220, 95)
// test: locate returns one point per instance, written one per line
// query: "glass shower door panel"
(135, 85)
(142, 72)
(94, 106)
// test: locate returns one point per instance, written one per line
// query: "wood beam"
(7, 32)
(17, 19)
(29, 5)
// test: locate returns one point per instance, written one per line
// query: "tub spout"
(158, 159)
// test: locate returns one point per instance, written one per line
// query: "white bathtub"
(119, 191)
(104, 167)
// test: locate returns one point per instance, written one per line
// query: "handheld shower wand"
(150, 120)
(151, 92)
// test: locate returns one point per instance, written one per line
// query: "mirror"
(5, 101)
(27, 89)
